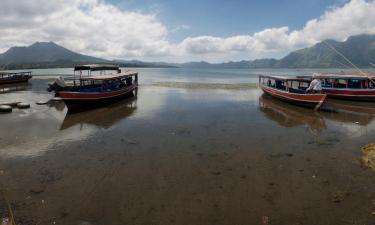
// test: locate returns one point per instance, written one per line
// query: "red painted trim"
(359, 93)
(312, 98)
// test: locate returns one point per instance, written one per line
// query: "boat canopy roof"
(96, 67)
(111, 76)
(284, 78)
(346, 76)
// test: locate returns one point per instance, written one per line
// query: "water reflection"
(288, 115)
(101, 117)
(361, 113)
(58, 105)
(351, 118)
(6, 88)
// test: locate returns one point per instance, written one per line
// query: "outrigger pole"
(342, 55)
(344, 65)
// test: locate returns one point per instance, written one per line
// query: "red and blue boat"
(291, 90)
(95, 90)
(356, 87)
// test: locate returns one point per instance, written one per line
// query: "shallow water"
(217, 152)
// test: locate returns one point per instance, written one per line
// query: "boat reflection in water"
(101, 117)
(58, 105)
(6, 88)
(349, 111)
(355, 115)
(288, 115)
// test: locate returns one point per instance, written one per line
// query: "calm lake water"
(217, 151)
(227, 76)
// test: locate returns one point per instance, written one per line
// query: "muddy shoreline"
(177, 155)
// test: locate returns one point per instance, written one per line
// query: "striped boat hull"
(350, 94)
(74, 99)
(305, 100)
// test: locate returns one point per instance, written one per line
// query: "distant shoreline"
(28, 66)
(182, 67)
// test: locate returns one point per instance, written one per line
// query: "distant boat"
(357, 87)
(94, 91)
(291, 90)
(16, 77)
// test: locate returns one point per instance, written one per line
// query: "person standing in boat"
(315, 85)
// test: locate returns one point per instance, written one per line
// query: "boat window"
(335, 83)
(271, 83)
(327, 82)
(339, 83)
(365, 84)
(295, 84)
(266, 81)
(354, 84)
(280, 85)
(303, 85)
(371, 84)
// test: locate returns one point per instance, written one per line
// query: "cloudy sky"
(183, 30)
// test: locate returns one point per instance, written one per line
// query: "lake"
(194, 146)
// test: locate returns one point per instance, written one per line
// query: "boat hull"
(16, 80)
(79, 100)
(304, 100)
(351, 94)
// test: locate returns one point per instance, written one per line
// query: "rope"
(339, 53)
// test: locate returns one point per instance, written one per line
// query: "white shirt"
(315, 85)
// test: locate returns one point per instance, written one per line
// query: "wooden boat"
(94, 91)
(357, 87)
(17, 77)
(292, 90)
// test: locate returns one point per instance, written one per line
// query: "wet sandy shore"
(182, 155)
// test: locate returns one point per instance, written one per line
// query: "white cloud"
(354, 17)
(101, 29)
(88, 26)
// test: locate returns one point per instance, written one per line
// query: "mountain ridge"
(360, 49)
